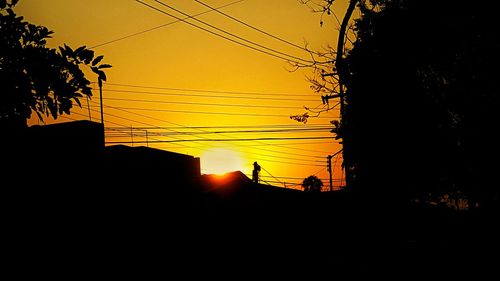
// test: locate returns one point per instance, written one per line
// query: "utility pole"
(100, 96)
(329, 162)
(88, 107)
(132, 134)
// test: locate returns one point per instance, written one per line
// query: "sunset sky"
(178, 76)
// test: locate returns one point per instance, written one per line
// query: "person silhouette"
(255, 173)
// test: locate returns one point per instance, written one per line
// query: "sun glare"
(220, 161)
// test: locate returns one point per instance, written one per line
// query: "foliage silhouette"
(35, 77)
(420, 98)
(312, 184)
(432, 87)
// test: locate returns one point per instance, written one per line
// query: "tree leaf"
(68, 49)
(89, 56)
(97, 60)
(3, 4)
(40, 116)
(86, 91)
(77, 51)
(104, 66)
(102, 75)
(78, 102)
(86, 56)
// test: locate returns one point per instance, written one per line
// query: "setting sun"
(220, 161)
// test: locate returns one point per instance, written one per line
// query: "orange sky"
(179, 56)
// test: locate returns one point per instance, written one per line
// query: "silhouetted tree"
(420, 97)
(312, 184)
(36, 78)
(431, 88)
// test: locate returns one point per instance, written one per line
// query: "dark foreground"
(236, 230)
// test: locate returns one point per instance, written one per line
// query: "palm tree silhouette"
(312, 184)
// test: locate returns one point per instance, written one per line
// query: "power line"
(240, 139)
(233, 131)
(253, 153)
(264, 149)
(266, 182)
(287, 185)
(286, 162)
(286, 158)
(297, 143)
(260, 159)
(277, 179)
(232, 34)
(210, 91)
(257, 144)
(270, 174)
(263, 126)
(302, 161)
(297, 178)
(303, 149)
(125, 131)
(178, 126)
(205, 96)
(139, 122)
(286, 178)
(160, 26)
(252, 27)
(219, 35)
(214, 113)
(311, 163)
(203, 104)
(130, 134)
(69, 118)
(114, 124)
(298, 184)
(121, 125)
(86, 116)
(284, 145)
(319, 171)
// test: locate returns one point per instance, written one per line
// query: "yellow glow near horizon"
(180, 56)
(220, 161)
